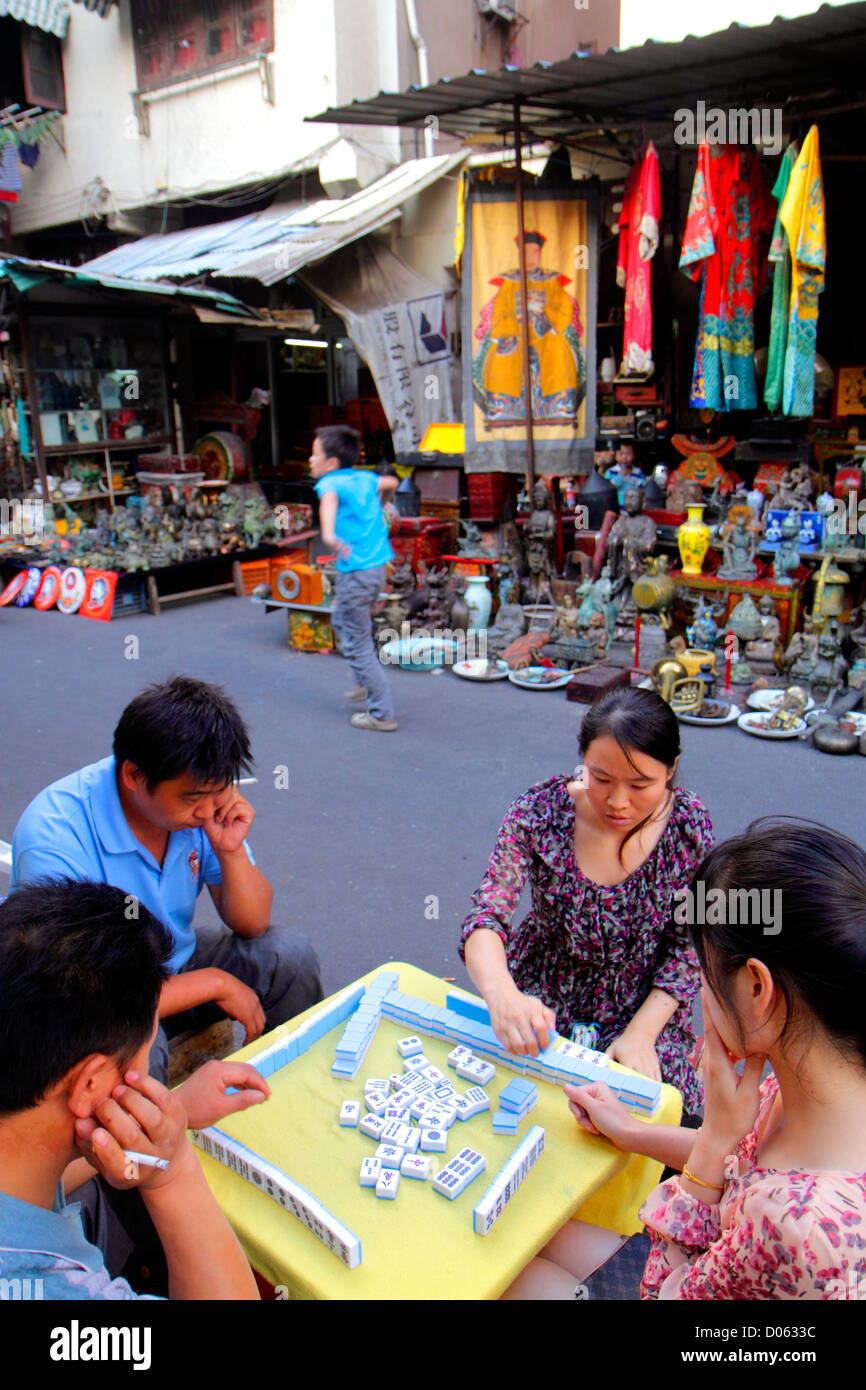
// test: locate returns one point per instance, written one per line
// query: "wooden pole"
(524, 299)
(33, 400)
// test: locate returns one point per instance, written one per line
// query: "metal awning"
(784, 62)
(50, 15)
(38, 279)
(273, 245)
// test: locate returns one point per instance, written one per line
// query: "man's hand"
(204, 1093)
(228, 827)
(140, 1115)
(240, 1002)
(520, 1022)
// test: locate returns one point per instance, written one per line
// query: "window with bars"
(176, 39)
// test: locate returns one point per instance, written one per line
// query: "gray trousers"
(356, 592)
(280, 966)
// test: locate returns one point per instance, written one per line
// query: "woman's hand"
(731, 1101)
(520, 1022)
(634, 1049)
(599, 1111)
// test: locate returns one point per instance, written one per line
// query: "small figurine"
(787, 558)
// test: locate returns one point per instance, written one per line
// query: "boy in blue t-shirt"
(352, 524)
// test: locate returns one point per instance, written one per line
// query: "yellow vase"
(693, 539)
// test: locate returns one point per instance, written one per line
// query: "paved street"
(373, 828)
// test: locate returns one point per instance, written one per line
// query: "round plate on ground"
(750, 724)
(769, 699)
(480, 669)
(13, 588)
(540, 678)
(731, 717)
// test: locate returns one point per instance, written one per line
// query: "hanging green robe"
(780, 256)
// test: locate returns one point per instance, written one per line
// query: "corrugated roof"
(52, 16)
(27, 275)
(272, 245)
(772, 63)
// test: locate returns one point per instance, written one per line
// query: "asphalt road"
(375, 833)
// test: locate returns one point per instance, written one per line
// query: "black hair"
(818, 956)
(183, 725)
(640, 721)
(81, 968)
(340, 442)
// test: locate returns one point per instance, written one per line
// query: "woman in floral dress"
(770, 1197)
(604, 853)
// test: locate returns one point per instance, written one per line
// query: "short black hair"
(340, 442)
(183, 725)
(81, 968)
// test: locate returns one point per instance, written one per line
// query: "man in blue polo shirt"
(161, 819)
(352, 523)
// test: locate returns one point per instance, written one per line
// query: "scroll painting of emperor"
(556, 354)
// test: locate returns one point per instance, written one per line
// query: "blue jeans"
(357, 591)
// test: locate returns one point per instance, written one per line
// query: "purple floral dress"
(774, 1234)
(591, 952)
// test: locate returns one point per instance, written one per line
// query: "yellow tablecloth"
(419, 1246)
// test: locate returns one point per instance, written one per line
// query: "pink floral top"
(774, 1234)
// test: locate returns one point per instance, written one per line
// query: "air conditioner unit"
(498, 9)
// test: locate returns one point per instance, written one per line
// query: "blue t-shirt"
(360, 519)
(76, 829)
(44, 1255)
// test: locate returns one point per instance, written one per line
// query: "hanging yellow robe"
(802, 216)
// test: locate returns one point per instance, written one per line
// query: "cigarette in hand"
(146, 1160)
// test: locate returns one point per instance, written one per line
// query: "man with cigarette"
(160, 819)
(79, 988)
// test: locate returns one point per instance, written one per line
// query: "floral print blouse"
(774, 1233)
(591, 952)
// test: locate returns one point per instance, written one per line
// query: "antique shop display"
(693, 539)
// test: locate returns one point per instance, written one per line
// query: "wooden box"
(584, 686)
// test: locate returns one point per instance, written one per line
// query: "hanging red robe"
(638, 240)
(730, 215)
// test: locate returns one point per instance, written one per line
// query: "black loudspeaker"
(644, 426)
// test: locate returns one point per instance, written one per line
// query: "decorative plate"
(751, 724)
(49, 588)
(31, 587)
(540, 678)
(13, 589)
(480, 669)
(72, 587)
(731, 717)
(769, 699)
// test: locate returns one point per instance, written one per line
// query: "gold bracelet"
(700, 1183)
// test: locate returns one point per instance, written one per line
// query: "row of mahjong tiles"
(381, 997)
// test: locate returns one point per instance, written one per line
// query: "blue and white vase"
(478, 600)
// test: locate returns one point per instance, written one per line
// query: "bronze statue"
(540, 532)
(631, 539)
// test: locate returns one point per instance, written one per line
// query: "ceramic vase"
(693, 539)
(478, 600)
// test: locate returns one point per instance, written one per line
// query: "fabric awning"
(50, 15)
